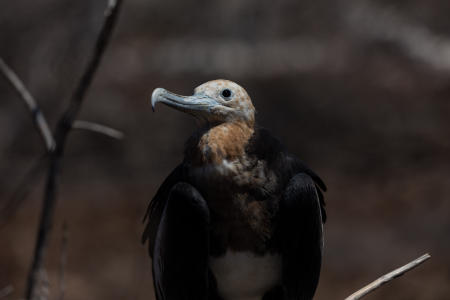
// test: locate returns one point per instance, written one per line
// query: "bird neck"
(226, 141)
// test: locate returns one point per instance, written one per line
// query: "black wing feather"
(180, 261)
(155, 208)
(300, 236)
(299, 167)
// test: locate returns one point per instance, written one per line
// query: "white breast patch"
(244, 275)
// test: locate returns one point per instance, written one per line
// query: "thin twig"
(6, 291)
(68, 117)
(38, 117)
(63, 261)
(98, 128)
(388, 277)
(63, 128)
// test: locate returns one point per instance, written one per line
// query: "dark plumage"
(239, 207)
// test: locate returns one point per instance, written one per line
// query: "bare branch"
(388, 277)
(61, 133)
(68, 117)
(98, 128)
(37, 115)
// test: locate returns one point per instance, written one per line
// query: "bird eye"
(226, 94)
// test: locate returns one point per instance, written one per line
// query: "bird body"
(240, 218)
(232, 182)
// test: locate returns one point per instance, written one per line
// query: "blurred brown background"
(360, 90)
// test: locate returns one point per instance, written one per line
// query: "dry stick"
(23, 189)
(38, 118)
(63, 128)
(98, 128)
(42, 126)
(388, 277)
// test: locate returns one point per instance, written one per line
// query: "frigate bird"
(239, 218)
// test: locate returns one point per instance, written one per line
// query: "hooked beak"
(196, 104)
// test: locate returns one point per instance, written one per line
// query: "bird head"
(213, 102)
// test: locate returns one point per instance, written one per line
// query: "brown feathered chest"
(241, 190)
